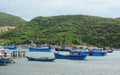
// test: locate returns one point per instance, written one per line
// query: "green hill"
(10, 20)
(67, 29)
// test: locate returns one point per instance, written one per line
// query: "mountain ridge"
(67, 29)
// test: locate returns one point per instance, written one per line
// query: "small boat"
(4, 57)
(12, 47)
(42, 49)
(108, 49)
(5, 60)
(40, 59)
(97, 52)
(73, 55)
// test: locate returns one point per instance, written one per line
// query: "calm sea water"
(93, 65)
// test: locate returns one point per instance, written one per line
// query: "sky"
(29, 9)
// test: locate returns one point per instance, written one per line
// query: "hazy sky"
(28, 9)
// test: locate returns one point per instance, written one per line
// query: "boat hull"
(110, 51)
(12, 47)
(80, 57)
(40, 59)
(97, 52)
(42, 49)
(4, 61)
(39, 50)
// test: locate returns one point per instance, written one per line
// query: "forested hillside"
(10, 20)
(67, 29)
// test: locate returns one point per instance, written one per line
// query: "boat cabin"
(81, 48)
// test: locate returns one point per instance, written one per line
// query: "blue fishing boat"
(73, 55)
(42, 49)
(12, 47)
(97, 52)
(48, 59)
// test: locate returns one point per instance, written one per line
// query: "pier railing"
(18, 53)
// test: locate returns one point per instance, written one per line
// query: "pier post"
(18, 53)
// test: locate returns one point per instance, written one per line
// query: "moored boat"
(4, 57)
(49, 59)
(74, 55)
(109, 50)
(5, 60)
(12, 47)
(97, 52)
(42, 49)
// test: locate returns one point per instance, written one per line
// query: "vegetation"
(67, 29)
(10, 20)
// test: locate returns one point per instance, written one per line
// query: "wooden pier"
(18, 53)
